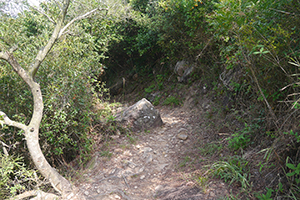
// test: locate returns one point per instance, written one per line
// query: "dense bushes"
(247, 50)
(65, 80)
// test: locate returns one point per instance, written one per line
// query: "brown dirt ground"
(155, 164)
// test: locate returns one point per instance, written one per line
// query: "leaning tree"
(27, 72)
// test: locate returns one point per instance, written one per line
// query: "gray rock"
(182, 136)
(149, 159)
(160, 167)
(142, 177)
(140, 116)
(183, 69)
(147, 149)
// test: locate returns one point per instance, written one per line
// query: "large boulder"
(183, 69)
(140, 116)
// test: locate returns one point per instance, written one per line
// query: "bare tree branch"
(5, 120)
(4, 147)
(62, 32)
(3, 56)
(37, 194)
(41, 12)
(42, 53)
(8, 56)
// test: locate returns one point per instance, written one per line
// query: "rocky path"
(151, 166)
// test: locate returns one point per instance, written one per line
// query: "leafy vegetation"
(15, 177)
(246, 50)
(233, 170)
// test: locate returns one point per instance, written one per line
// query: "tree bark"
(59, 183)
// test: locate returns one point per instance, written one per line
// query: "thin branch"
(37, 193)
(43, 53)
(79, 18)
(285, 12)
(263, 95)
(293, 94)
(4, 147)
(8, 57)
(57, 3)
(41, 12)
(200, 54)
(5, 120)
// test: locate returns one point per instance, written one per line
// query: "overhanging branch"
(5, 120)
(41, 12)
(62, 32)
(36, 194)
(43, 53)
(8, 57)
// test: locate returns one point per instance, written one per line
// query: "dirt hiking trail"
(162, 163)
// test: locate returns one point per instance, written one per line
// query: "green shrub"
(293, 177)
(266, 196)
(171, 101)
(241, 139)
(15, 178)
(65, 79)
(233, 170)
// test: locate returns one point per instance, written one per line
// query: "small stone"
(149, 159)
(159, 187)
(142, 177)
(131, 165)
(117, 197)
(161, 132)
(141, 169)
(182, 136)
(147, 149)
(161, 167)
(86, 193)
(135, 187)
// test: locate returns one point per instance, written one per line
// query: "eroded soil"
(157, 164)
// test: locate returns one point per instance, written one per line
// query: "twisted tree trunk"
(59, 183)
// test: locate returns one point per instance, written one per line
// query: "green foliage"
(256, 34)
(182, 26)
(65, 77)
(106, 154)
(295, 171)
(293, 179)
(160, 81)
(156, 100)
(241, 139)
(266, 196)
(171, 100)
(185, 161)
(150, 89)
(210, 149)
(233, 170)
(295, 134)
(15, 178)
